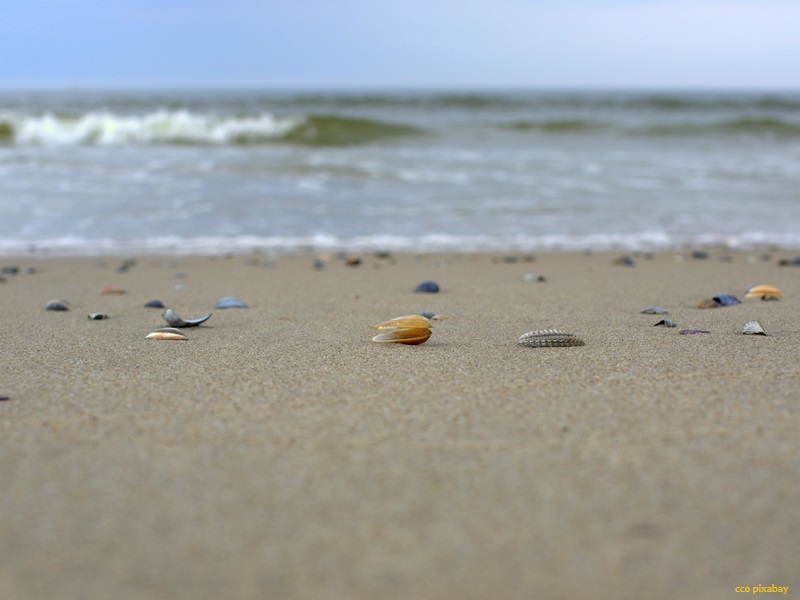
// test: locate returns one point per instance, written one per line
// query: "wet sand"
(279, 453)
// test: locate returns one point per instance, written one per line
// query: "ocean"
(206, 172)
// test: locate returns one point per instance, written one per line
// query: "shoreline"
(204, 248)
(280, 453)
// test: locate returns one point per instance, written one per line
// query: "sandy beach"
(279, 453)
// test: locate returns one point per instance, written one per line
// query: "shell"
(97, 316)
(430, 287)
(692, 331)
(763, 291)
(789, 262)
(175, 321)
(653, 310)
(624, 261)
(753, 328)
(408, 329)
(154, 304)
(58, 305)
(546, 338)
(110, 290)
(405, 322)
(665, 323)
(166, 333)
(229, 302)
(708, 303)
(726, 300)
(404, 336)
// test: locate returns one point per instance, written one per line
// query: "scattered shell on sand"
(708, 303)
(229, 302)
(665, 323)
(154, 304)
(718, 301)
(408, 329)
(726, 300)
(789, 262)
(352, 261)
(624, 261)
(549, 338)
(753, 328)
(97, 316)
(430, 287)
(653, 310)
(166, 333)
(111, 290)
(58, 305)
(175, 321)
(765, 292)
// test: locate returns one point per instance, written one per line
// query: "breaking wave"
(183, 127)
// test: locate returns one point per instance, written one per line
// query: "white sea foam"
(214, 245)
(157, 127)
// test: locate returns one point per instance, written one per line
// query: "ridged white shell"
(753, 328)
(549, 338)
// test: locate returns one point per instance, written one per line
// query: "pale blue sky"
(400, 43)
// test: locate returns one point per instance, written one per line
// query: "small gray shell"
(97, 316)
(229, 302)
(175, 321)
(549, 338)
(58, 305)
(726, 300)
(753, 328)
(653, 310)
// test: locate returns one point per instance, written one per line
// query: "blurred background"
(176, 126)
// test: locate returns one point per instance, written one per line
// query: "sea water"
(89, 172)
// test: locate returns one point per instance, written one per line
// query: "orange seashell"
(404, 336)
(405, 322)
(761, 291)
(408, 329)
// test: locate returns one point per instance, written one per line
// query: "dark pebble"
(625, 261)
(154, 304)
(430, 287)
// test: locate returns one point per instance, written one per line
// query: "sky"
(740, 44)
